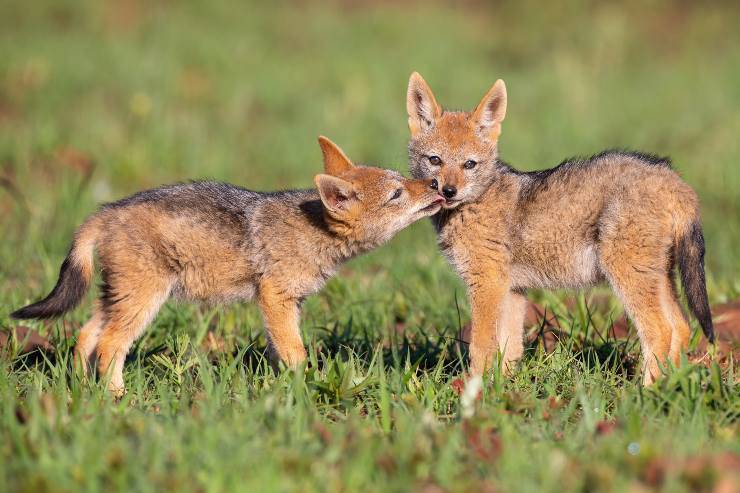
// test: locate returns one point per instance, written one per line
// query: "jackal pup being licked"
(217, 242)
(623, 217)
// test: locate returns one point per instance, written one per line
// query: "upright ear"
(335, 161)
(491, 111)
(336, 194)
(421, 106)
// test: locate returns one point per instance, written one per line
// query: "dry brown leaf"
(30, 339)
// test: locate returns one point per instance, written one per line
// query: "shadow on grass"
(444, 349)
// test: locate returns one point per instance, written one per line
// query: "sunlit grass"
(100, 99)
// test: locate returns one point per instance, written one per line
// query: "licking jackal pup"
(218, 242)
(623, 217)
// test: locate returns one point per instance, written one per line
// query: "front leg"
(281, 317)
(510, 333)
(488, 289)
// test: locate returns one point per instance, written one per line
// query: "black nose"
(449, 191)
(434, 185)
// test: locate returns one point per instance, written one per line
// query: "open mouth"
(450, 203)
(439, 201)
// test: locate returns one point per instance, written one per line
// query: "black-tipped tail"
(67, 293)
(691, 264)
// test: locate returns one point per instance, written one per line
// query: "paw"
(116, 391)
(648, 378)
(286, 359)
(116, 387)
(294, 357)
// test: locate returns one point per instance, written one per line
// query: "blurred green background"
(99, 99)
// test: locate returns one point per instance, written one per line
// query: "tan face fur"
(371, 204)
(457, 149)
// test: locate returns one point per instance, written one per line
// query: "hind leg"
(634, 253)
(644, 300)
(88, 339)
(134, 304)
(639, 277)
(681, 330)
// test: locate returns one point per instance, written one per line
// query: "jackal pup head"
(458, 150)
(370, 204)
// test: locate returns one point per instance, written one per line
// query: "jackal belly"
(556, 267)
(215, 283)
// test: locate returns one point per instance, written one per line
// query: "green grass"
(98, 100)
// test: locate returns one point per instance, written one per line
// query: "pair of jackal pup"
(623, 217)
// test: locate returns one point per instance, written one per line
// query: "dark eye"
(469, 164)
(397, 194)
(435, 160)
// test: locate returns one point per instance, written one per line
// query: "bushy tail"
(74, 278)
(690, 253)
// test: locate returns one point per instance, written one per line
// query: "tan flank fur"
(621, 217)
(216, 242)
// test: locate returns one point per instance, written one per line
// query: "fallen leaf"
(484, 442)
(458, 385)
(654, 472)
(387, 463)
(554, 402)
(620, 329)
(604, 427)
(30, 339)
(726, 319)
(323, 432)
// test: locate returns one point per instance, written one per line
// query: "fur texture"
(216, 242)
(619, 216)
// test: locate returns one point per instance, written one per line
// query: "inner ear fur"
(336, 194)
(421, 106)
(336, 161)
(491, 110)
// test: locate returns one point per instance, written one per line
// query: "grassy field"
(101, 99)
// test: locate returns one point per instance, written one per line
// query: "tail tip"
(710, 337)
(25, 313)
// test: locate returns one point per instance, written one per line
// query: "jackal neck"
(346, 239)
(499, 196)
(336, 241)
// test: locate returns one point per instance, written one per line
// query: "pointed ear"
(491, 110)
(336, 194)
(421, 106)
(335, 160)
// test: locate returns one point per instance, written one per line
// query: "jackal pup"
(218, 242)
(624, 217)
